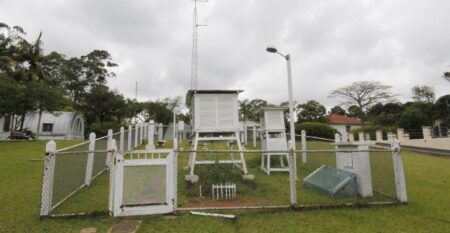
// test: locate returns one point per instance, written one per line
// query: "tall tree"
(387, 115)
(415, 115)
(161, 110)
(103, 105)
(311, 111)
(245, 110)
(338, 110)
(363, 95)
(423, 94)
(353, 111)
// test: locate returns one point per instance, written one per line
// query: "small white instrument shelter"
(273, 133)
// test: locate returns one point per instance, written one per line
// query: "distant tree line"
(372, 102)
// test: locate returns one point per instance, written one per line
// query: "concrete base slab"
(125, 226)
(248, 177)
(192, 179)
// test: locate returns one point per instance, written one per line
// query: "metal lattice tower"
(194, 59)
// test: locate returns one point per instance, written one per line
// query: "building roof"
(272, 108)
(336, 119)
(190, 93)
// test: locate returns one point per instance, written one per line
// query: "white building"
(343, 124)
(56, 125)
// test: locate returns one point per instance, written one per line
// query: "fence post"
(141, 133)
(351, 137)
(47, 183)
(122, 137)
(160, 132)
(136, 131)
(379, 135)
(292, 173)
(175, 174)
(90, 160)
(337, 138)
(367, 136)
(113, 147)
(400, 134)
(304, 158)
(151, 134)
(426, 131)
(361, 136)
(400, 184)
(108, 148)
(144, 130)
(254, 136)
(130, 131)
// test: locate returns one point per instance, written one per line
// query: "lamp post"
(291, 101)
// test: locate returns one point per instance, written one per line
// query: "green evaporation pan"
(335, 182)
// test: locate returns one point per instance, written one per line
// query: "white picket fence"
(224, 191)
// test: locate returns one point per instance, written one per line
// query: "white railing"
(224, 191)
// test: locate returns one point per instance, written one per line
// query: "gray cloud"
(332, 43)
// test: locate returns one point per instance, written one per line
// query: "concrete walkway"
(438, 146)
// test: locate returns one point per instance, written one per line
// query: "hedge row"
(316, 129)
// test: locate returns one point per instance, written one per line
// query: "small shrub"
(217, 174)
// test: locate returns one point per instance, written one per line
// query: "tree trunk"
(39, 124)
(22, 120)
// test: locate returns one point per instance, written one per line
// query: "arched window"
(77, 128)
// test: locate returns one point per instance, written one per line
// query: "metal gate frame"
(116, 206)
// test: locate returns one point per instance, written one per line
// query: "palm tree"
(33, 55)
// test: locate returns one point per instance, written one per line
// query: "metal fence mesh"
(76, 167)
(99, 164)
(70, 171)
(144, 185)
(377, 176)
(374, 171)
(133, 137)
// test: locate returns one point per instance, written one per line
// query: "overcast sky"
(332, 43)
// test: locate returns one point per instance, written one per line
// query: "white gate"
(143, 182)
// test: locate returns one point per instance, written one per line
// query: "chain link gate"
(143, 182)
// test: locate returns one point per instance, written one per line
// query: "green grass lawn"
(427, 184)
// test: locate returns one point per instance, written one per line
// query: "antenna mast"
(194, 59)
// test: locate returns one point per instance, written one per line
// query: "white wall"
(342, 129)
(216, 112)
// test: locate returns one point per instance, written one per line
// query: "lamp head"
(271, 49)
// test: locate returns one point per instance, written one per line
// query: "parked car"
(25, 134)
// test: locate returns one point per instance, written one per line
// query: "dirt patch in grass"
(126, 226)
(223, 203)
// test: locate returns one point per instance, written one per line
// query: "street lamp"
(291, 102)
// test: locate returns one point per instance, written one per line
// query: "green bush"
(316, 129)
